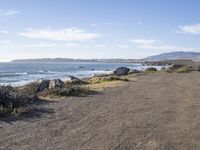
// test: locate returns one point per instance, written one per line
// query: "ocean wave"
(12, 74)
(41, 72)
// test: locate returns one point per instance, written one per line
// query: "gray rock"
(134, 71)
(121, 71)
(56, 83)
(49, 84)
(75, 80)
(43, 84)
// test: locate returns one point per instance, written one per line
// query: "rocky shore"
(15, 101)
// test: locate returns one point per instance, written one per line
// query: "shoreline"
(27, 76)
(133, 112)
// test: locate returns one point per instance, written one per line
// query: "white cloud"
(190, 29)
(39, 45)
(8, 12)
(3, 32)
(157, 45)
(144, 41)
(67, 34)
(50, 45)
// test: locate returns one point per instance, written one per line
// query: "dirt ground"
(157, 111)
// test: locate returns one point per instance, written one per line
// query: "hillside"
(173, 55)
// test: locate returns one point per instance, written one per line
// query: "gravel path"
(158, 111)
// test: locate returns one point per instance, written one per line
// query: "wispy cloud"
(67, 34)
(157, 45)
(3, 32)
(141, 41)
(39, 45)
(189, 29)
(105, 24)
(8, 12)
(6, 44)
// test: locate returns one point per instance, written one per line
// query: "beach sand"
(156, 111)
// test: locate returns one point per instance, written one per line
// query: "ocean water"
(16, 74)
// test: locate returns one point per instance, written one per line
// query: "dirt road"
(158, 111)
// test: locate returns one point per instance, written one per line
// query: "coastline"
(152, 106)
(85, 113)
(23, 73)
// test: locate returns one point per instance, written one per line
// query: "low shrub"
(95, 80)
(184, 70)
(150, 70)
(14, 102)
(74, 90)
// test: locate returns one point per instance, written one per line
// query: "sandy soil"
(158, 111)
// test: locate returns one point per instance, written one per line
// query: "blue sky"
(97, 28)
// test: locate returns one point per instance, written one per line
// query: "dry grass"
(101, 86)
(184, 70)
(119, 81)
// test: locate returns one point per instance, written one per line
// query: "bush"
(14, 102)
(150, 70)
(74, 90)
(95, 79)
(184, 70)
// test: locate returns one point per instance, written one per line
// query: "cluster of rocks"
(125, 71)
(14, 98)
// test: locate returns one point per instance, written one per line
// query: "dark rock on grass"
(121, 71)
(74, 80)
(151, 69)
(176, 67)
(134, 71)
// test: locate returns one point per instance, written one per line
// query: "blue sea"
(16, 74)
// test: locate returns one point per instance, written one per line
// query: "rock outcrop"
(49, 84)
(121, 71)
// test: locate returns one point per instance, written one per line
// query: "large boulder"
(121, 71)
(49, 84)
(56, 83)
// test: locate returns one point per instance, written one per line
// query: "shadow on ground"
(34, 111)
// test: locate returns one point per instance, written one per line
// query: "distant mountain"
(174, 55)
(71, 60)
